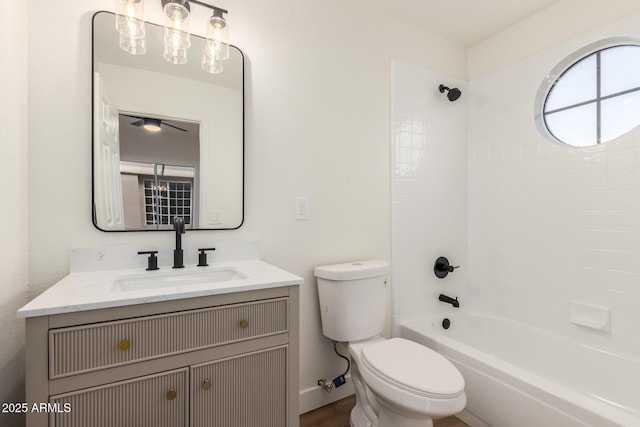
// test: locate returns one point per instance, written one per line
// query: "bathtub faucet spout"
(449, 300)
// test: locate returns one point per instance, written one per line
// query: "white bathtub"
(519, 376)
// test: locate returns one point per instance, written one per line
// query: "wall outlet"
(301, 207)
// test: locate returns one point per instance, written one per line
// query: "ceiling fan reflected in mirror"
(152, 124)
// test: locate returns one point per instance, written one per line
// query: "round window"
(595, 98)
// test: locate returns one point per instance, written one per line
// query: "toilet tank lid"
(353, 270)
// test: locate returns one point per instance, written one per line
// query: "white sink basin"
(177, 278)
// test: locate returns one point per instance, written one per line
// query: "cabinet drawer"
(88, 348)
(153, 401)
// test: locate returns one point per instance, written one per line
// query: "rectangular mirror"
(168, 140)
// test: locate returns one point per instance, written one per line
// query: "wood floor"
(337, 415)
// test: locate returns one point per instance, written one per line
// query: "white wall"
(317, 125)
(13, 232)
(549, 223)
(220, 178)
(429, 196)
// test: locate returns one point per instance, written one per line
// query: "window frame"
(158, 194)
(565, 65)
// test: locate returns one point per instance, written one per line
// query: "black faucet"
(178, 225)
(449, 300)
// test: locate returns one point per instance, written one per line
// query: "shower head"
(452, 94)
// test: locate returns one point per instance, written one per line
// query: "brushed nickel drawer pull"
(206, 385)
(244, 324)
(124, 345)
(171, 394)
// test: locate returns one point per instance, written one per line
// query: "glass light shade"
(217, 43)
(133, 45)
(211, 65)
(176, 27)
(216, 49)
(130, 18)
(175, 55)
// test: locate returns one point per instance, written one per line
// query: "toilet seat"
(413, 367)
(412, 376)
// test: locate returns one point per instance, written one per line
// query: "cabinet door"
(249, 390)
(152, 401)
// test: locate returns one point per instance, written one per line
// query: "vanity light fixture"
(130, 26)
(216, 45)
(176, 30)
(177, 38)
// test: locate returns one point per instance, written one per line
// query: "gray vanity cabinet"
(228, 360)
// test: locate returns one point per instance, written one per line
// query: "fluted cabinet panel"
(153, 401)
(244, 391)
(117, 343)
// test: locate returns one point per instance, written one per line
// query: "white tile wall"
(429, 205)
(550, 223)
(534, 224)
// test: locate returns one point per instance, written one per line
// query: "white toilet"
(398, 382)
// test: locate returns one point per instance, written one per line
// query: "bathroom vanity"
(205, 347)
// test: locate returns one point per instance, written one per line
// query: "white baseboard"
(315, 397)
(471, 419)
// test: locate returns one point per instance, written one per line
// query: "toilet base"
(386, 419)
(359, 419)
(374, 412)
(389, 418)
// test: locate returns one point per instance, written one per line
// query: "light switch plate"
(301, 207)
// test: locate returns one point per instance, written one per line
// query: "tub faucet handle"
(442, 268)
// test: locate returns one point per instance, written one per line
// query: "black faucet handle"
(202, 257)
(152, 261)
(442, 268)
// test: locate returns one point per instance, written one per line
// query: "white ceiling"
(466, 22)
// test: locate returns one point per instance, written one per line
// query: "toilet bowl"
(409, 380)
(398, 383)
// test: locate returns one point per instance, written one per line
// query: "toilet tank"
(353, 299)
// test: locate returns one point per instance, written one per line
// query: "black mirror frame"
(93, 195)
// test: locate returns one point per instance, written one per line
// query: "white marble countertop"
(92, 290)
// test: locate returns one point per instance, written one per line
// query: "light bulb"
(176, 33)
(217, 43)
